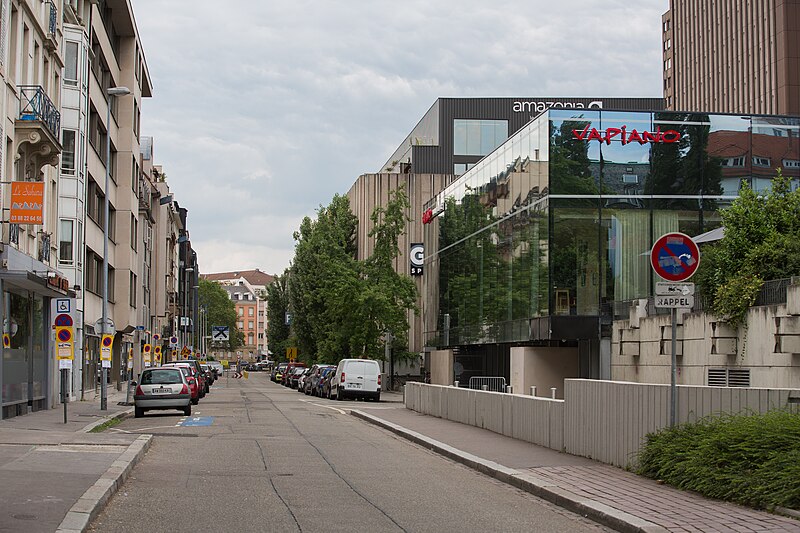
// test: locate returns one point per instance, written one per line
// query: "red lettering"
(595, 135)
(580, 136)
(649, 137)
(674, 136)
(634, 136)
(611, 133)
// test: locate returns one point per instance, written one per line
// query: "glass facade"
(478, 137)
(558, 221)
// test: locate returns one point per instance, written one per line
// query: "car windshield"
(161, 377)
(299, 371)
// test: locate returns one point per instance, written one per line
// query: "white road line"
(325, 406)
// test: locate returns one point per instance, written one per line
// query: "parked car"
(357, 378)
(325, 384)
(312, 381)
(301, 381)
(191, 378)
(294, 377)
(209, 373)
(162, 388)
(277, 372)
(217, 367)
(290, 371)
(318, 386)
(196, 364)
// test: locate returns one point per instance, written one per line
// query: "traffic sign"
(63, 320)
(110, 327)
(156, 337)
(664, 288)
(220, 333)
(675, 257)
(173, 341)
(675, 302)
(63, 305)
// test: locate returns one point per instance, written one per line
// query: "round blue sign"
(675, 257)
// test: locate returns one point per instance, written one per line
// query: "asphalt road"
(276, 460)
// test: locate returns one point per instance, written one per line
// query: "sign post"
(62, 310)
(674, 257)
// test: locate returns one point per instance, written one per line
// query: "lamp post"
(112, 92)
(195, 315)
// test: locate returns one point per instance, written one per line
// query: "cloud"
(262, 111)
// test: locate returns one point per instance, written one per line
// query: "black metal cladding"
(439, 159)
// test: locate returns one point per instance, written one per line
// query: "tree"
(221, 311)
(277, 307)
(760, 243)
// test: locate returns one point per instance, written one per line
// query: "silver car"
(162, 388)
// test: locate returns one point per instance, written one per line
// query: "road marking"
(325, 406)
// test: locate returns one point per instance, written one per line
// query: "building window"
(761, 161)
(133, 289)
(478, 137)
(249, 324)
(250, 311)
(250, 338)
(65, 240)
(791, 163)
(134, 231)
(240, 325)
(240, 311)
(71, 63)
(68, 152)
(732, 162)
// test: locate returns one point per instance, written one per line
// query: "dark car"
(294, 377)
(202, 374)
(289, 371)
(311, 385)
(301, 381)
(325, 384)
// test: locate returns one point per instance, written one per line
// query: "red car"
(195, 386)
(289, 371)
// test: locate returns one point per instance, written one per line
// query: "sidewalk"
(604, 493)
(56, 475)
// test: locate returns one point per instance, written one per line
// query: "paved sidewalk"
(56, 475)
(609, 495)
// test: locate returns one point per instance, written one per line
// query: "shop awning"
(31, 282)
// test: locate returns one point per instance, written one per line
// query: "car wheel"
(138, 412)
(339, 396)
(187, 410)
(195, 401)
(206, 390)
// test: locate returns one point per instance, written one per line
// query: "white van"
(357, 378)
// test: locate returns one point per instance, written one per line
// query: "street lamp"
(112, 92)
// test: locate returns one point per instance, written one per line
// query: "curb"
(96, 497)
(121, 415)
(586, 507)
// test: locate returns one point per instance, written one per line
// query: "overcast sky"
(263, 110)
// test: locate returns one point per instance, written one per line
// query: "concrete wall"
(769, 347)
(442, 367)
(603, 420)
(543, 368)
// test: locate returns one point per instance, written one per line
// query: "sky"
(264, 110)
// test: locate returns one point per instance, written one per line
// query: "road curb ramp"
(97, 496)
(586, 507)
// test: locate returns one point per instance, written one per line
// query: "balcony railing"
(53, 21)
(34, 104)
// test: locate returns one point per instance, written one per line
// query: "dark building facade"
(732, 56)
(531, 254)
(456, 133)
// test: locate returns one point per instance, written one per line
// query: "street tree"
(760, 243)
(277, 307)
(221, 311)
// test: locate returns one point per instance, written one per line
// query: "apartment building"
(31, 66)
(732, 56)
(248, 290)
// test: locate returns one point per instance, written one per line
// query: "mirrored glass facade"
(544, 237)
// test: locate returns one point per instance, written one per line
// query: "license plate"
(354, 385)
(161, 390)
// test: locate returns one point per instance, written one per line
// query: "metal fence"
(495, 384)
(34, 104)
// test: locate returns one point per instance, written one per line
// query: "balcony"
(51, 14)
(37, 130)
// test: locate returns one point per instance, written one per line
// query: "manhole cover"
(24, 516)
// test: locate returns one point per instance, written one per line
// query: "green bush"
(748, 459)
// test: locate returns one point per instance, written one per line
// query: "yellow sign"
(174, 354)
(291, 352)
(105, 347)
(6, 340)
(65, 343)
(186, 351)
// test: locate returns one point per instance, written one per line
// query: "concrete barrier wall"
(603, 420)
(528, 418)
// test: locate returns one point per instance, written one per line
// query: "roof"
(253, 277)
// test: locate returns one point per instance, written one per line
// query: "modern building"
(732, 56)
(533, 252)
(453, 135)
(248, 290)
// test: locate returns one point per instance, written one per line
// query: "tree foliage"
(760, 243)
(277, 307)
(342, 307)
(221, 311)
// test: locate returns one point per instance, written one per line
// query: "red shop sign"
(625, 136)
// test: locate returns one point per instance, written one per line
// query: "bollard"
(553, 392)
(509, 389)
(533, 390)
(484, 387)
(455, 384)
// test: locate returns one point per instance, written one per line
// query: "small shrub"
(748, 459)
